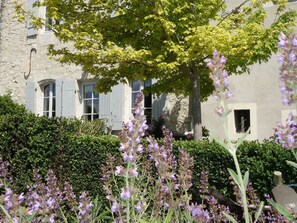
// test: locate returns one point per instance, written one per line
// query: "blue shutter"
(68, 98)
(117, 106)
(30, 98)
(31, 31)
(59, 84)
(104, 108)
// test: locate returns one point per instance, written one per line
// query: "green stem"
(127, 187)
(242, 190)
(232, 150)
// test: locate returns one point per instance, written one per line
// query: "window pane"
(136, 85)
(148, 114)
(46, 90)
(96, 95)
(54, 89)
(96, 106)
(54, 104)
(88, 91)
(242, 120)
(53, 114)
(148, 101)
(87, 106)
(134, 96)
(46, 104)
(148, 82)
(95, 117)
(46, 114)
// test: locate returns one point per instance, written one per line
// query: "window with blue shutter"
(31, 31)
(66, 95)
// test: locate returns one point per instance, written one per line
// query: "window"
(50, 24)
(242, 120)
(137, 87)
(49, 100)
(242, 116)
(90, 103)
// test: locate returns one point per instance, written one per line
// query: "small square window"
(242, 120)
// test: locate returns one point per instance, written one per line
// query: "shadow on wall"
(175, 109)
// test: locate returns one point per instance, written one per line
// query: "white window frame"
(252, 107)
(51, 97)
(94, 96)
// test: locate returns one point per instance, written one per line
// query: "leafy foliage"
(166, 40)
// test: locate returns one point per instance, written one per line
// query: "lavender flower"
(8, 199)
(198, 214)
(219, 76)
(126, 193)
(115, 207)
(85, 208)
(287, 133)
(288, 69)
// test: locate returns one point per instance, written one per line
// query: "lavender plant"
(47, 202)
(221, 94)
(149, 184)
(287, 133)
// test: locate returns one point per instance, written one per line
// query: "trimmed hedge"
(261, 159)
(28, 141)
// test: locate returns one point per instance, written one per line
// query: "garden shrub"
(76, 154)
(80, 160)
(8, 106)
(261, 159)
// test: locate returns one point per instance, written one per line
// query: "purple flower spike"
(219, 76)
(287, 133)
(292, 57)
(115, 207)
(294, 42)
(126, 193)
(287, 58)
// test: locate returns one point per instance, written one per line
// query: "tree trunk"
(195, 104)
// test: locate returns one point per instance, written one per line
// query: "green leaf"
(242, 138)
(168, 217)
(246, 179)
(282, 210)
(257, 214)
(5, 212)
(229, 217)
(234, 176)
(293, 164)
(143, 221)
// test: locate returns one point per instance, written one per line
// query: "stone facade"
(257, 92)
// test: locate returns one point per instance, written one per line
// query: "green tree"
(121, 40)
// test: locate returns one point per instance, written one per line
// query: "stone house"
(51, 89)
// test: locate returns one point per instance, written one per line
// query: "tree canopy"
(121, 40)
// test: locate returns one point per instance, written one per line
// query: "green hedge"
(28, 141)
(261, 159)
(81, 158)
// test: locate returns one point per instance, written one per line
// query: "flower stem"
(242, 189)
